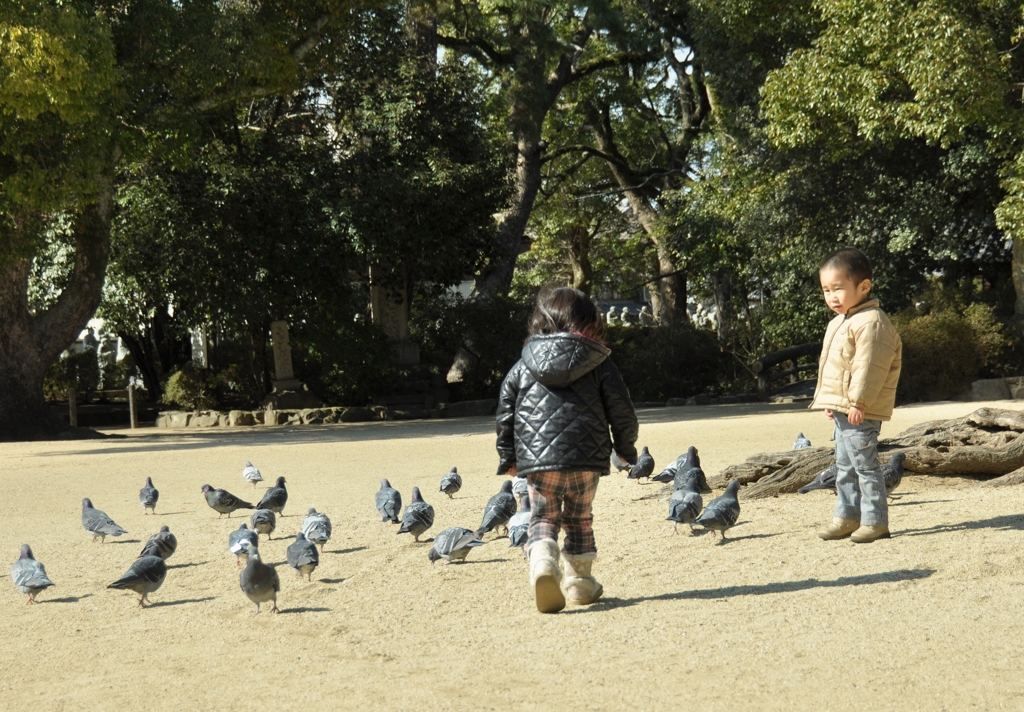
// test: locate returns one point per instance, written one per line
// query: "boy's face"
(840, 291)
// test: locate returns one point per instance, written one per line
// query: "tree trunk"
(579, 258)
(144, 362)
(30, 343)
(722, 283)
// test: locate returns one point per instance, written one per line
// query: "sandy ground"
(773, 619)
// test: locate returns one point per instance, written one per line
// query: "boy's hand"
(512, 471)
(855, 415)
(828, 414)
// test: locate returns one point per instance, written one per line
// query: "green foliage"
(78, 370)
(190, 388)
(346, 365)
(665, 362)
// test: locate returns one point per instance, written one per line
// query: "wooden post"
(132, 413)
(73, 406)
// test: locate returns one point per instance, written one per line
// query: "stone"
(676, 402)
(990, 389)
(205, 419)
(240, 417)
(283, 370)
(1017, 392)
(257, 416)
(473, 408)
(173, 419)
(274, 417)
(701, 399)
(314, 416)
(357, 415)
(223, 419)
(408, 414)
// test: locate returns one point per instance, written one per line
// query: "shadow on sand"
(1013, 522)
(181, 602)
(304, 610)
(66, 599)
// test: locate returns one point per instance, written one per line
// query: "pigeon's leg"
(257, 610)
(322, 547)
(220, 514)
(416, 538)
(31, 599)
(309, 577)
(675, 528)
(274, 609)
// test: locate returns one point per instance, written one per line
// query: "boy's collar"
(866, 304)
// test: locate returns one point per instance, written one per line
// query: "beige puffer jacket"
(860, 363)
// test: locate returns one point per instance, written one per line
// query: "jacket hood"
(556, 360)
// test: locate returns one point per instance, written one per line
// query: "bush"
(81, 370)
(189, 388)
(345, 366)
(668, 361)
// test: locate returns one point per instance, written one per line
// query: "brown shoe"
(839, 529)
(866, 534)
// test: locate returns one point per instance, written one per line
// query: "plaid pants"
(563, 499)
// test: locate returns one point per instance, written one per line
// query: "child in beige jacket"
(857, 377)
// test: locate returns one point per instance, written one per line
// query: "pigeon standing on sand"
(29, 575)
(275, 498)
(389, 502)
(258, 581)
(98, 523)
(317, 528)
(148, 496)
(668, 474)
(251, 474)
(302, 556)
(453, 545)
(619, 464)
(722, 512)
(826, 479)
(688, 468)
(451, 483)
(499, 510)
(223, 502)
(801, 442)
(418, 516)
(162, 544)
(519, 524)
(239, 541)
(644, 466)
(146, 575)
(892, 472)
(685, 505)
(263, 521)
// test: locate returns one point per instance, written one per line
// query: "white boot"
(581, 588)
(545, 576)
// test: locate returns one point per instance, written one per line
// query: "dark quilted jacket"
(557, 405)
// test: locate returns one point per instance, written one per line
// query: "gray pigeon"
(98, 523)
(892, 472)
(451, 483)
(317, 528)
(223, 502)
(520, 488)
(668, 474)
(418, 516)
(644, 466)
(258, 581)
(148, 496)
(688, 468)
(302, 556)
(263, 521)
(162, 544)
(239, 541)
(519, 524)
(146, 575)
(801, 442)
(251, 474)
(499, 510)
(722, 512)
(29, 575)
(685, 505)
(619, 464)
(453, 545)
(389, 502)
(826, 479)
(275, 498)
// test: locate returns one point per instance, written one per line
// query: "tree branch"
(480, 50)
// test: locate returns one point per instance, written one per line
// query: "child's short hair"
(851, 262)
(566, 309)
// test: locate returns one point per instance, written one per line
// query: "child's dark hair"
(566, 309)
(851, 262)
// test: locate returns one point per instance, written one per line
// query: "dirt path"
(774, 619)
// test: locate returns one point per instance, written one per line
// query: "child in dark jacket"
(557, 405)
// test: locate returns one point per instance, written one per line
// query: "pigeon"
(389, 502)
(453, 545)
(519, 524)
(317, 528)
(98, 523)
(251, 474)
(302, 556)
(687, 468)
(275, 498)
(146, 575)
(722, 512)
(223, 502)
(644, 466)
(29, 575)
(161, 544)
(258, 581)
(826, 479)
(685, 505)
(451, 483)
(239, 541)
(499, 510)
(520, 488)
(619, 464)
(418, 516)
(148, 496)
(892, 472)
(801, 442)
(263, 521)
(668, 474)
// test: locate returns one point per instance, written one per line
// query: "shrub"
(669, 361)
(189, 388)
(345, 366)
(81, 370)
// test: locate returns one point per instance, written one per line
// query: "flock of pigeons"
(508, 510)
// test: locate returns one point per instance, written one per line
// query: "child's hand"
(828, 414)
(855, 415)
(513, 471)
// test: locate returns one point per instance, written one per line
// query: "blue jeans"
(859, 481)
